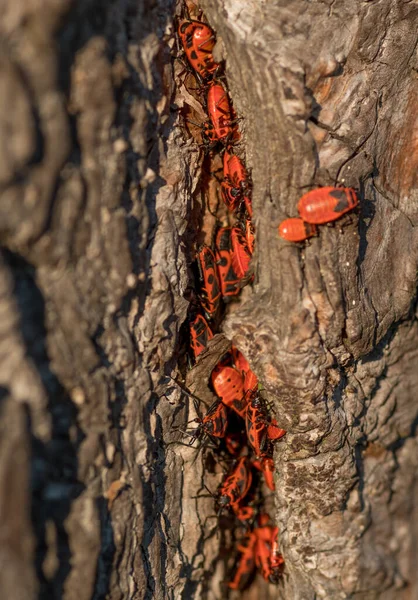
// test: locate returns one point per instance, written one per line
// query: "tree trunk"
(100, 211)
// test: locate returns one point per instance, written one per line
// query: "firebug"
(296, 230)
(210, 289)
(198, 40)
(326, 204)
(213, 424)
(236, 485)
(246, 563)
(228, 279)
(220, 113)
(228, 384)
(236, 183)
(240, 254)
(200, 334)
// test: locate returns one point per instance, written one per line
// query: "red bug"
(228, 279)
(236, 485)
(210, 290)
(263, 546)
(296, 230)
(235, 185)
(200, 334)
(266, 465)
(256, 425)
(213, 424)
(260, 430)
(246, 563)
(241, 364)
(249, 235)
(276, 559)
(240, 254)
(228, 384)
(326, 204)
(221, 127)
(198, 41)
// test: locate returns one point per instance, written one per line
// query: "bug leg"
(194, 123)
(177, 443)
(201, 496)
(199, 90)
(207, 489)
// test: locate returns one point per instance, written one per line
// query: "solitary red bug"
(198, 40)
(296, 230)
(240, 254)
(246, 562)
(220, 114)
(228, 279)
(236, 485)
(326, 204)
(210, 290)
(228, 384)
(200, 334)
(235, 185)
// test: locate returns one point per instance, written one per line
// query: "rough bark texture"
(98, 216)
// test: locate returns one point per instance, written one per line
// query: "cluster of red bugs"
(239, 423)
(319, 206)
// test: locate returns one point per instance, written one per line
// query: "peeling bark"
(100, 210)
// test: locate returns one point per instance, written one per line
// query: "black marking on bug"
(342, 200)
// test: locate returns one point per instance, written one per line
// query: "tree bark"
(100, 210)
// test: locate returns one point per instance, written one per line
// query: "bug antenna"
(178, 444)
(196, 406)
(193, 437)
(194, 123)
